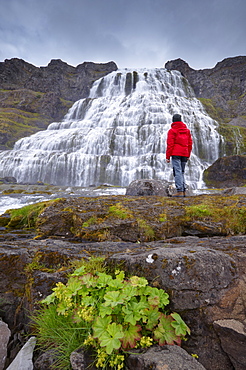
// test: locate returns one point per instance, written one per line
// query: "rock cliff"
(222, 88)
(32, 97)
(222, 91)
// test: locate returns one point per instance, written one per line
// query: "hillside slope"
(32, 97)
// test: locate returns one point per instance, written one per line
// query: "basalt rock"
(32, 97)
(167, 357)
(224, 85)
(70, 83)
(147, 187)
(205, 278)
(226, 172)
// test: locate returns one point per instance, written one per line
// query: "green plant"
(200, 210)
(108, 313)
(163, 217)
(26, 217)
(147, 230)
(119, 211)
(89, 222)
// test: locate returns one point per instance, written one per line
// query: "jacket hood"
(177, 125)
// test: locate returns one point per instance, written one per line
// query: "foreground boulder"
(205, 278)
(147, 187)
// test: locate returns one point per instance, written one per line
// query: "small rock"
(23, 360)
(4, 338)
(163, 358)
(233, 341)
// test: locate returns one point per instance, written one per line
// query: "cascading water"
(117, 135)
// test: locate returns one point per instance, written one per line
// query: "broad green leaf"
(131, 336)
(49, 299)
(111, 337)
(138, 281)
(165, 333)
(61, 308)
(115, 284)
(73, 285)
(100, 325)
(88, 301)
(103, 279)
(88, 280)
(153, 316)
(79, 271)
(162, 300)
(105, 310)
(134, 311)
(120, 275)
(154, 300)
(179, 325)
(113, 298)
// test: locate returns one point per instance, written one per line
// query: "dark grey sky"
(132, 33)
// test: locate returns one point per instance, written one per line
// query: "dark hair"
(176, 118)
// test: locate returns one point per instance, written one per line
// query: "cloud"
(132, 33)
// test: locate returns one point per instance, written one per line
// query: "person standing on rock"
(179, 146)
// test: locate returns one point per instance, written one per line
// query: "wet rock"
(163, 358)
(234, 191)
(147, 187)
(8, 180)
(226, 172)
(4, 338)
(222, 85)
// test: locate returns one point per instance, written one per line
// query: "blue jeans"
(178, 163)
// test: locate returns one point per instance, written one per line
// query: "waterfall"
(117, 134)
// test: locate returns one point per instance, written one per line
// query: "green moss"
(26, 217)
(147, 230)
(119, 211)
(211, 109)
(163, 217)
(235, 138)
(89, 222)
(228, 213)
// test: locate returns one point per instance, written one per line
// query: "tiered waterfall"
(117, 134)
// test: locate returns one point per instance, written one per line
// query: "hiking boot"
(179, 194)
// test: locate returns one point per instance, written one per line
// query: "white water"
(19, 200)
(117, 135)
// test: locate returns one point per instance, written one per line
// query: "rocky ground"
(193, 247)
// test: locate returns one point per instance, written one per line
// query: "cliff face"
(221, 89)
(32, 97)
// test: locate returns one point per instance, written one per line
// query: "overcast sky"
(132, 33)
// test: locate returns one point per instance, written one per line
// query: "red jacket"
(179, 140)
